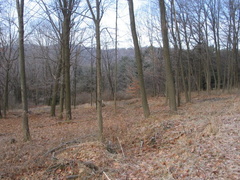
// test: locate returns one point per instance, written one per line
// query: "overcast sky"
(32, 13)
(124, 31)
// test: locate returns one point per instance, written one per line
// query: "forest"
(95, 89)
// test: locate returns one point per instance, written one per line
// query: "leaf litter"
(200, 141)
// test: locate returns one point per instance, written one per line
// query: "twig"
(61, 146)
(106, 175)
(141, 145)
(54, 167)
(121, 147)
(72, 177)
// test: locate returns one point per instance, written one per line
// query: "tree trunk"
(5, 96)
(207, 64)
(181, 65)
(20, 10)
(179, 52)
(62, 93)
(218, 55)
(234, 8)
(0, 108)
(138, 57)
(199, 72)
(109, 74)
(66, 56)
(99, 78)
(67, 11)
(91, 76)
(116, 59)
(189, 71)
(75, 68)
(168, 67)
(177, 80)
(56, 87)
(154, 64)
(96, 19)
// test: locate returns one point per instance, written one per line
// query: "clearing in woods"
(200, 141)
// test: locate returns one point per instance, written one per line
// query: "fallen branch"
(72, 177)
(61, 146)
(121, 147)
(106, 175)
(90, 165)
(54, 167)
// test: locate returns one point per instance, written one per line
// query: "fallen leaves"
(165, 146)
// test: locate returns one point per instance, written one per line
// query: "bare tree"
(207, 61)
(77, 40)
(178, 53)
(168, 67)
(186, 25)
(116, 57)
(57, 32)
(9, 53)
(0, 105)
(64, 10)
(96, 17)
(108, 67)
(152, 52)
(91, 73)
(9, 56)
(138, 57)
(75, 69)
(67, 7)
(0, 111)
(56, 84)
(20, 11)
(233, 34)
(214, 18)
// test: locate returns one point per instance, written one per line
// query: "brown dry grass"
(200, 141)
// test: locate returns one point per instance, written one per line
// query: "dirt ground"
(200, 141)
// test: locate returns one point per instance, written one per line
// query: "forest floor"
(200, 141)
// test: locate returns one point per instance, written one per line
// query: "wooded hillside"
(135, 89)
(196, 142)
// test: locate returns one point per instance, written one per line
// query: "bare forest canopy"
(203, 36)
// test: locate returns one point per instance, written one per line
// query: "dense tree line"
(70, 57)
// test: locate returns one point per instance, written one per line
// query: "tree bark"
(5, 96)
(62, 92)
(0, 108)
(91, 76)
(116, 59)
(207, 64)
(183, 77)
(26, 131)
(109, 73)
(154, 74)
(168, 67)
(189, 65)
(56, 87)
(138, 57)
(75, 68)
(99, 80)
(66, 56)
(234, 8)
(96, 19)
(214, 15)
(67, 10)
(178, 49)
